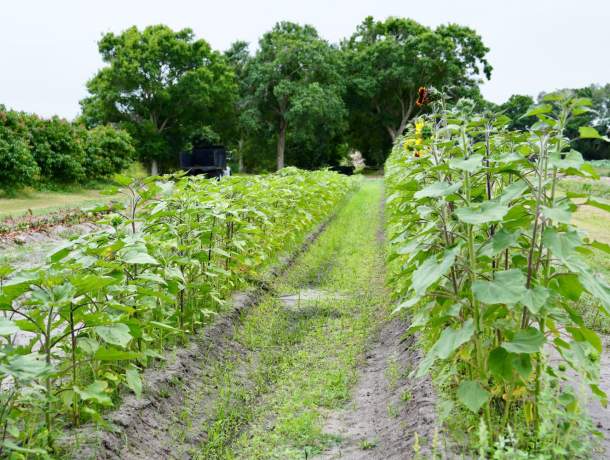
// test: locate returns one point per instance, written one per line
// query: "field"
(424, 314)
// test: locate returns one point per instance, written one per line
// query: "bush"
(17, 166)
(58, 148)
(107, 151)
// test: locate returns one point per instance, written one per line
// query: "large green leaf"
(597, 286)
(528, 340)
(588, 132)
(598, 204)
(471, 165)
(472, 395)
(500, 363)
(134, 382)
(114, 334)
(451, 339)
(437, 190)
(557, 214)
(110, 354)
(97, 391)
(503, 239)
(507, 287)
(562, 244)
(534, 299)
(7, 327)
(513, 191)
(487, 212)
(430, 271)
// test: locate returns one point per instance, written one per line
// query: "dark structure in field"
(210, 160)
(347, 170)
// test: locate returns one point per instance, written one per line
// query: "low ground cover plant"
(484, 255)
(84, 326)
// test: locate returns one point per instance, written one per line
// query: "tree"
(515, 107)
(295, 83)
(245, 120)
(598, 117)
(162, 86)
(387, 61)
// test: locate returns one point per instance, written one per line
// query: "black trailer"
(210, 160)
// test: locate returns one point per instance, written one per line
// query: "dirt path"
(388, 408)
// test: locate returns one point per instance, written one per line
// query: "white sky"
(48, 48)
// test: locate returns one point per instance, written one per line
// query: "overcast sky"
(48, 49)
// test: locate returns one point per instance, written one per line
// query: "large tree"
(387, 61)
(295, 84)
(162, 86)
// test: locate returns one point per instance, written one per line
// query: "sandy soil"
(388, 408)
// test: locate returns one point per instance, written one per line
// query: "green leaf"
(507, 287)
(522, 363)
(430, 271)
(597, 286)
(134, 382)
(95, 392)
(528, 340)
(557, 214)
(562, 244)
(451, 339)
(139, 258)
(538, 110)
(513, 191)
(503, 239)
(437, 190)
(114, 334)
(598, 204)
(7, 327)
(472, 395)
(534, 299)
(500, 363)
(111, 354)
(489, 211)
(588, 132)
(471, 165)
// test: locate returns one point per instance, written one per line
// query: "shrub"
(107, 151)
(17, 166)
(58, 149)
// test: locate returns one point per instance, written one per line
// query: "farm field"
(338, 239)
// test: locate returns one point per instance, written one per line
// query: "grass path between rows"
(304, 343)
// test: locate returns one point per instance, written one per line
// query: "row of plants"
(485, 259)
(12, 226)
(35, 151)
(81, 328)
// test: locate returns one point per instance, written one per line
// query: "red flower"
(422, 96)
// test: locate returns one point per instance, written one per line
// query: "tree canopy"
(295, 87)
(163, 87)
(387, 61)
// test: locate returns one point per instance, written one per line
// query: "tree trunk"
(281, 144)
(240, 164)
(154, 168)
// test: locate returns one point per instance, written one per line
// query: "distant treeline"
(35, 151)
(297, 100)
(597, 115)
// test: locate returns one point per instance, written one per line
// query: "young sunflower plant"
(484, 255)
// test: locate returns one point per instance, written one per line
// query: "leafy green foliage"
(108, 303)
(295, 89)
(387, 61)
(34, 150)
(163, 87)
(467, 186)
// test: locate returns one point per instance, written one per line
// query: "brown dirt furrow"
(388, 407)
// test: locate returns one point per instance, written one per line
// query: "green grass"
(43, 202)
(40, 202)
(302, 360)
